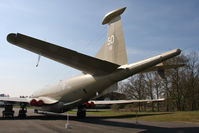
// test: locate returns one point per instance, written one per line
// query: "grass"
(183, 116)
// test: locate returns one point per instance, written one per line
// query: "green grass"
(184, 116)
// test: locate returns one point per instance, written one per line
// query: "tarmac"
(56, 123)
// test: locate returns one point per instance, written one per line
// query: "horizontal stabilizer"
(164, 67)
(79, 61)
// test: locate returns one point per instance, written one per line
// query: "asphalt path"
(56, 123)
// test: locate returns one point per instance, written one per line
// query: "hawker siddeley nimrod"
(99, 73)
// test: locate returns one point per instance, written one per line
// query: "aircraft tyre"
(22, 114)
(22, 111)
(81, 113)
(8, 111)
(36, 111)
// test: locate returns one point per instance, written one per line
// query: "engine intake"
(34, 102)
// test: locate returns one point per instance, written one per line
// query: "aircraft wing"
(14, 100)
(18, 100)
(79, 61)
(160, 68)
(108, 102)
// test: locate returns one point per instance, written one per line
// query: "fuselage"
(78, 90)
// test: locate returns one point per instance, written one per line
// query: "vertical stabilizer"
(114, 49)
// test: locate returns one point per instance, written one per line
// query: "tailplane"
(114, 49)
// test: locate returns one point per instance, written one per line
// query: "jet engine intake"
(89, 104)
(34, 102)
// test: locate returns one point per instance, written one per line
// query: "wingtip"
(11, 38)
(178, 50)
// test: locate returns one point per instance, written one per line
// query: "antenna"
(39, 56)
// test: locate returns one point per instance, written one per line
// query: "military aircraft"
(99, 73)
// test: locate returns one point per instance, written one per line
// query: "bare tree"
(180, 88)
(135, 88)
(193, 75)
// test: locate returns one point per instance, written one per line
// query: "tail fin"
(114, 49)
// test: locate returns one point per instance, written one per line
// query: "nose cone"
(12, 38)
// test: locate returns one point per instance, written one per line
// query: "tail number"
(110, 40)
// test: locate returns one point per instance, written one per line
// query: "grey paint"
(114, 49)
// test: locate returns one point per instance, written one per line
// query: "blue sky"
(150, 27)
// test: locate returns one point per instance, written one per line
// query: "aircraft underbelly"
(84, 89)
(80, 89)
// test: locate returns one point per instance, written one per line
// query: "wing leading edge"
(63, 55)
(102, 102)
(17, 100)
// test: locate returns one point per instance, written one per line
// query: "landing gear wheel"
(8, 111)
(36, 111)
(22, 111)
(81, 113)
